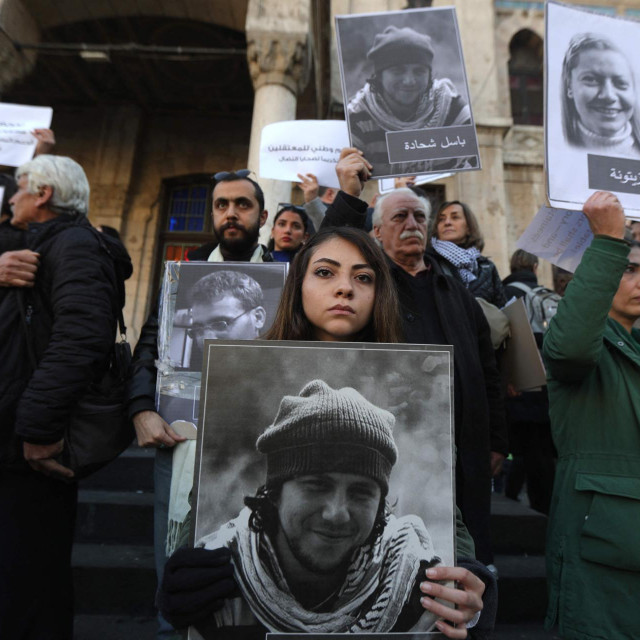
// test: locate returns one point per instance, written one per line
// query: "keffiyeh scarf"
(432, 110)
(378, 583)
(465, 260)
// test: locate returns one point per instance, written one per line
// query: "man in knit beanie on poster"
(402, 95)
(316, 549)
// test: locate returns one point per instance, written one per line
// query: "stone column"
(278, 56)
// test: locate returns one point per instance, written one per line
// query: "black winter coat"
(480, 425)
(71, 311)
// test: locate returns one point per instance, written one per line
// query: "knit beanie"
(400, 46)
(323, 430)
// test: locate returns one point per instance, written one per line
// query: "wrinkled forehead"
(234, 189)
(401, 202)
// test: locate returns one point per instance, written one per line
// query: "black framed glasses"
(282, 206)
(221, 176)
(217, 326)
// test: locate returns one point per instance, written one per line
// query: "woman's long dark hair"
(385, 324)
(474, 235)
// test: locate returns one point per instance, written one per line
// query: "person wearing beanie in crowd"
(317, 548)
(402, 94)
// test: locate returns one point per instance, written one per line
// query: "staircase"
(114, 573)
(518, 535)
(113, 568)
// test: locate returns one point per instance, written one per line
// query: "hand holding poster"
(407, 100)
(592, 127)
(17, 121)
(303, 146)
(331, 522)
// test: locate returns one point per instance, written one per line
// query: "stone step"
(515, 528)
(131, 471)
(115, 517)
(522, 588)
(114, 579)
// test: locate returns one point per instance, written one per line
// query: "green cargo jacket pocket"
(610, 534)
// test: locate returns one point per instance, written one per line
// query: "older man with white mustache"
(436, 309)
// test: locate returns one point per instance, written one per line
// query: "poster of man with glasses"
(208, 300)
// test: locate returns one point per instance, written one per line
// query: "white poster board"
(17, 121)
(592, 117)
(249, 385)
(303, 146)
(405, 91)
(386, 185)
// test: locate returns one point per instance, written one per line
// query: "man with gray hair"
(436, 309)
(55, 339)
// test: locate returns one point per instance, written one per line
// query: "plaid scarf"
(377, 586)
(465, 260)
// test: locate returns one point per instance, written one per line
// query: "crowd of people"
(322, 512)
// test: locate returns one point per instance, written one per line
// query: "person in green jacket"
(592, 354)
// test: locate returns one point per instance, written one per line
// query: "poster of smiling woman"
(405, 91)
(592, 125)
(325, 472)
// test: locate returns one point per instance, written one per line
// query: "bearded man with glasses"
(238, 213)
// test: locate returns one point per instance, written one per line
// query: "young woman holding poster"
(339, 289)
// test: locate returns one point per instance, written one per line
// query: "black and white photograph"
(593, 107)
(208, 300)
(327, 471)
(405, 91)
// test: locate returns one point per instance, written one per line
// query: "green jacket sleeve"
(465, 548)
(573, 342)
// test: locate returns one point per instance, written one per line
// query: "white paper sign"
(559, 236)
(303, 146)
(592, 118)
(385, 185)
(17, 121)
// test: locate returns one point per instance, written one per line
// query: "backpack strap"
(522, 286)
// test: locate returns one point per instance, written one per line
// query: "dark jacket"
(526, 277)
(141, 382)
(487, 284)
(71, 314)
(480, 425)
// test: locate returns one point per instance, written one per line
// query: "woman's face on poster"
(405, 84)
(602, 89)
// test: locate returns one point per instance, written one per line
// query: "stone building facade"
(154, 96)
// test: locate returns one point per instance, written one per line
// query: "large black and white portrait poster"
(327, 470)
(208, 300)
(405, 90)
(592, 118)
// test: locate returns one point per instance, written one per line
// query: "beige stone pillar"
(278, 56)
(484, 190)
